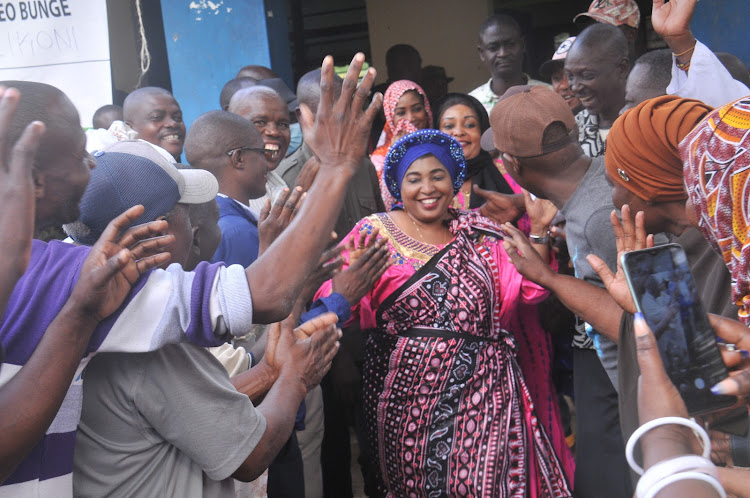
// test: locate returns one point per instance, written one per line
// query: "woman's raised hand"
(629, 237)
(338, 133)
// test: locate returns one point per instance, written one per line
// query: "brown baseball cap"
(521, 116)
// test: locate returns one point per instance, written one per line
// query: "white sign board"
(64, 43)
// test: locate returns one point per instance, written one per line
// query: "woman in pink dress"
(447, 411)
(465, 119)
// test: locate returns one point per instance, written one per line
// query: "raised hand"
(339, 132)
(358, 245)
(17, 193)
(329, 264)
(629, 236)
(116, 262)
(500, 208)
(274, 220)
(672, 18)
(354, 282)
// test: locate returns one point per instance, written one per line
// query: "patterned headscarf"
(419, 144)
(716, 157)
(642, 153)
(395, 91)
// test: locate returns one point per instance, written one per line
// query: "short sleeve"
(188, 399)
(600, 238)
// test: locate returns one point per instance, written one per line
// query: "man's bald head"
(45, 103)
(138, 97)
(244, 96)
(62, 165)
(155, 114)
(231, 87)
(649, 77)
(603, 39)
(597, 68)
(308, 89)
(257, 73)
(215, 133)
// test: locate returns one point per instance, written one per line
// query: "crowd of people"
(439, 274)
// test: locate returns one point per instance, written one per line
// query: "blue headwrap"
(408, 149)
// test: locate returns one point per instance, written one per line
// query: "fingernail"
(726, 386)
(639, 325)
(745, 353)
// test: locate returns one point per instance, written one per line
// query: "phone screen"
(665, 292)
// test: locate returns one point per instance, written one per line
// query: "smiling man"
(155, 114)
(231, 148)
(597, 68)
(501, 48)
(268, 111)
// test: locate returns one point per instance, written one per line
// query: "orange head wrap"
(642, 147)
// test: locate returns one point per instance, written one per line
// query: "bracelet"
(686, 51)
(684, 67)
(540, 239)
(699, 431)
(686, 476)
(666, 468)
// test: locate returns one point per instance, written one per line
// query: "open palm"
(116, 262)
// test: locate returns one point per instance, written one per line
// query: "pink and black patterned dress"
(447, 411)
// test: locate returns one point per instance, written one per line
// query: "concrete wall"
(444, 32)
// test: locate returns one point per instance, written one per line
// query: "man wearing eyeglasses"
(269, 112)
(231, 148)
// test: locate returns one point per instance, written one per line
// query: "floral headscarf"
(716, 158)
(395, 91)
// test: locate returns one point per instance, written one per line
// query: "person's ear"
(195, 247)
(623, 68)
(237, 159)
(479, 51)
(511, 163)
(159, 219)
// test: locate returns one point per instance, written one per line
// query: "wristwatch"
(536, 239)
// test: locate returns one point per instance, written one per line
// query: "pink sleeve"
(327, 287)
(366, 310)
(513, 287)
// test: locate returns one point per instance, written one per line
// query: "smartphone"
(664, 291)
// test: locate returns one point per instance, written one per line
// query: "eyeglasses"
(256, 149)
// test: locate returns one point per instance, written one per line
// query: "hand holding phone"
(664, 292)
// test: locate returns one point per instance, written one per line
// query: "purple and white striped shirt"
(163, 307)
